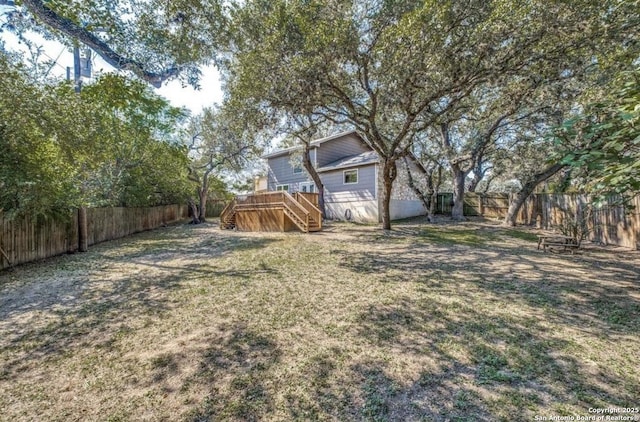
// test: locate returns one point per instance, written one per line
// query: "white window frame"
(308, 184)
(297, 169)
(282, 187)
(344, 177)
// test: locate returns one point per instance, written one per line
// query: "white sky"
(210, 89)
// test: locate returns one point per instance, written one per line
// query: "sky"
(210, 91)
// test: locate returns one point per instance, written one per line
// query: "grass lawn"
(447, 322)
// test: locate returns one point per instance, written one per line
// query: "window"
(307, 187)
(350, 176)
(282, 187)
(297, 168)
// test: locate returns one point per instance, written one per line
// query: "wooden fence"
(487, 205)
(609, 224)
(27, 239)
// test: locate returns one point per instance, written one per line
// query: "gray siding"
(344, 146)
(281, 173)
(337, 191)
(313, 156)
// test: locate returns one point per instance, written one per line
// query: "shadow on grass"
(232, 369)
(326, 391)
(90, 307)
(485, 367)
(493, 365)
(437, 395)
(578, 289)
(367, 391)
(469, 332)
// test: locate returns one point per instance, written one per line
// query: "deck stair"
(315, 215)
(228, 216)
(299, 208)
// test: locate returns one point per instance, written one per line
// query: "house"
(349, 169)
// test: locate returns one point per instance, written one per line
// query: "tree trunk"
(434, 186)
(431, 214)
(389, 174)
(193, 208)
(473, 185)
(479, 172)
(202, 196)
(516, 204)
(527, 189)
(425, 198)
(430, 197)
(487, 185)
(308, 166)
(459, 176)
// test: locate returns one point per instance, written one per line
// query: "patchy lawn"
(429, 322)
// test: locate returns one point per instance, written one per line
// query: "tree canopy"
(153, 39)
(392, 69)
(110, 146)
(476, 79)
(220, 143)
(608, 161)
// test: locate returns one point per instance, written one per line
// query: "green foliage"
(142, 161)
(34, 172)
(110, 146)
(221, 144)
(215, 147)
(394, 70)
(156, 40)
(608, 158)
(575, 224)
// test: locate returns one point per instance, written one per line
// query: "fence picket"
(26, 239)
(610, 224)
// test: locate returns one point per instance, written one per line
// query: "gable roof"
(369, 157)
(314, 144)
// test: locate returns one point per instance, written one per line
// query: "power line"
(54, 61)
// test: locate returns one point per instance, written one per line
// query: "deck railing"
(312, 209)
(310, 196)
(260, 199)
(228, 211)
(296, 209)
(299, 207)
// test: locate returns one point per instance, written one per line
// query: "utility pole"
(76, 68)
(83, 232)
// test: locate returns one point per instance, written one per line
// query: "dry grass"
(429, 322)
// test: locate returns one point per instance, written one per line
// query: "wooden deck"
(273, 211)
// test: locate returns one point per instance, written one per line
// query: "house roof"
(337, 135)
(314, 144)
(280, 152)
(369, 157)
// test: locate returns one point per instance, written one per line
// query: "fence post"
(82, 229)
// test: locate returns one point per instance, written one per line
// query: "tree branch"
(115, 59)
